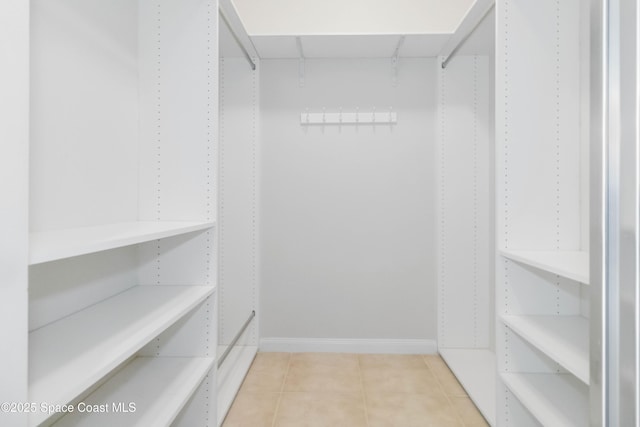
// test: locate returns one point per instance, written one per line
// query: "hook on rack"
(373, 119)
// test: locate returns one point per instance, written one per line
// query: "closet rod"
(464, 39)
(237, 39)
(236, 338)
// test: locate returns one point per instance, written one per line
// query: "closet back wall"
(347, 212)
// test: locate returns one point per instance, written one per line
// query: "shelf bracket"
(394, 62)
(301, 64)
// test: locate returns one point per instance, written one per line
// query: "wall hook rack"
(355, 117)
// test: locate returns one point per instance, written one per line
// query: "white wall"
(347, 214)
(298, 17)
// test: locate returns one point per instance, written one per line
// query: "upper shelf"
(59, 244)
(573, 265)
(404, 41)
(350, 46)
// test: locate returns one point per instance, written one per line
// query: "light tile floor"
(351, 390)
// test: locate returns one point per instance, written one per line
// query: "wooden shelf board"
(573, 265)
(48, 246)
(553, 399)
(565, 339)
(476, 371)
(69, 356)
(158, 386)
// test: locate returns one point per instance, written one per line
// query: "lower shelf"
(230, 376)
(476, 371)
(565, 339)
(69, 356)
(157, 387)
(553, 399)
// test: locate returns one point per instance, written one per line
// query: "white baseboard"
(329, 345)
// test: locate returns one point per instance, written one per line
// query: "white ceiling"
(324, 17)
(351, 44)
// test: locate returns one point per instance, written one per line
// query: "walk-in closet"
(319, 213)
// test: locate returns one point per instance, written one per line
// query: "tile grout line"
(444, 391)
(284, 380)
(364, 394)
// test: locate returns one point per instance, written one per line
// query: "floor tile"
(271, 361)
(323, 373)
(267, 373)
(263, 381)
(326, 390)
(400, 361)
(252, 410)
(321, 410)
(340, 360)
(398, 380)
(410, 410)
(470, 415)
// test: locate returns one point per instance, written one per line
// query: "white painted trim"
(336, 345)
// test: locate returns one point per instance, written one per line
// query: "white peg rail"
(349, 118)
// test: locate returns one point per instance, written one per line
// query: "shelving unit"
(157, 386)
(573, 265)
(231, 375)
(53, 245)
(542, 170)
(553, 399)
(564, 339)
(239, 96)
(465, 248)
(122, 242)
(99, 338)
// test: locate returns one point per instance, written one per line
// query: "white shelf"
(54, 245)
(553, 399)
(564, 339)
(350, 45)
(231, 375)
(573, 265)
(71, 355)
(159, 387)
(476, 371)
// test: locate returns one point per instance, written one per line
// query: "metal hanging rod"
(466, 37)
(236, 338)
(237, 39)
